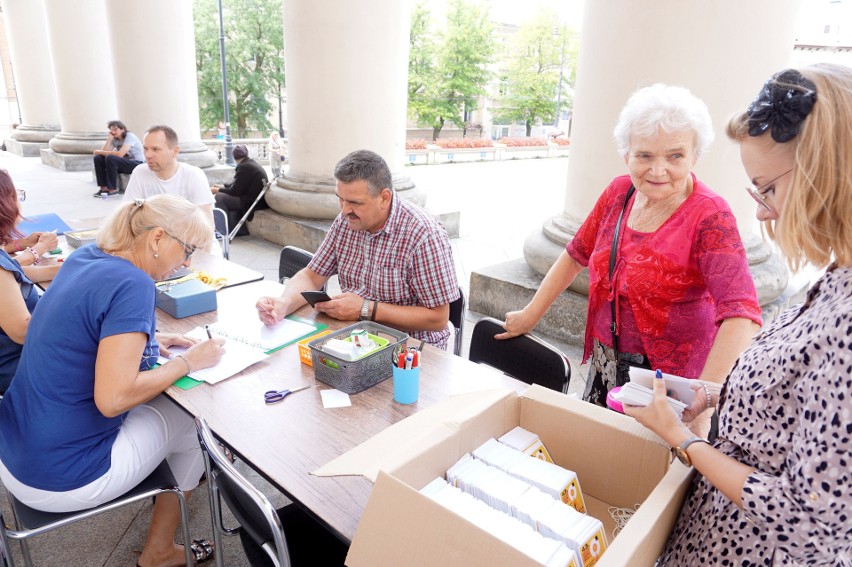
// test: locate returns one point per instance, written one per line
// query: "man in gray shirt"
(121, 153)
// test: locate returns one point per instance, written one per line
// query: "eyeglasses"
(759, 193)
(22, 195)
(187, 249)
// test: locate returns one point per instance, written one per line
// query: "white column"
(153, 57)
(82, 72)
(33, 72)
(347, 69)
(703, 46)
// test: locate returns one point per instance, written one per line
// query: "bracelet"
(36, 258)
(709, 401)
(373, 314)
(185, 361)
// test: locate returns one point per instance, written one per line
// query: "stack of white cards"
(558, 482)
(522, 537)
(534, 492)
(526, 442)
(634, 394)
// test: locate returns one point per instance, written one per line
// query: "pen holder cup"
(406, 385)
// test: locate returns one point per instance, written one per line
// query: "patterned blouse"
(787, 411)
(675, 285)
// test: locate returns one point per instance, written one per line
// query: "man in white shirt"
(163, 173)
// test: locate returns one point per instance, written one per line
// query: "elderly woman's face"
(659, 165)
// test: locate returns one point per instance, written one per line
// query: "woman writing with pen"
(17, 279)
(84, 419)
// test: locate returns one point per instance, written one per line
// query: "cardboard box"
(618, 462)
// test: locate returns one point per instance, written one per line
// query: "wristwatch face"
(682, 456)
(365, 309)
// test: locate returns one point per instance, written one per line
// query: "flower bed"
(459, 143)
(518, 142)
(562, 141)
(416, 144)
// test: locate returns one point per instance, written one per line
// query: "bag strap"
(613, 254)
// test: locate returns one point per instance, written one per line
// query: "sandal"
(202, 550)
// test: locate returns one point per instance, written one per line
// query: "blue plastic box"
(186, 298)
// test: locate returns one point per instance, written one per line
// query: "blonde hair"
(815, 225)
(177, 216)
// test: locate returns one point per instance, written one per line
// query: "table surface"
(284, 442)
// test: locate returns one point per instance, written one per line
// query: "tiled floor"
(500, 204)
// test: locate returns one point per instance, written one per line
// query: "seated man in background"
(121, 153)
(236, 197)
(163, 173)
(393, 259)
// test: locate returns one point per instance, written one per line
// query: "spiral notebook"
(268, 339)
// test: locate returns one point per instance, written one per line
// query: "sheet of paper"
(250, 330)
(680, 388)
(335, 399)
(238, 356)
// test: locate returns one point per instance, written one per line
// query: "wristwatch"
(365, 310)
(680, 452)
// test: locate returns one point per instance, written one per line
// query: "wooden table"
(284, 442)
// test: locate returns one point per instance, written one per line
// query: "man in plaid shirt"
(393, 259)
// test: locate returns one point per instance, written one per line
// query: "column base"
(24, 149)
(67, 162)
(498, 289)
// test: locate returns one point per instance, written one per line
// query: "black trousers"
(107, 169)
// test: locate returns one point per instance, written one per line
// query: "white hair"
(663, 107)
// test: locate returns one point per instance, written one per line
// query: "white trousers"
(151, 432)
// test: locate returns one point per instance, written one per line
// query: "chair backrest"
(525, 357)
(5, 552)
(250, 507)
(457, 320)
(220, 222)
(292, 260)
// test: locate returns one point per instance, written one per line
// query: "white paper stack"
(527, 442)
(558, 482)
(546, 551)
(579, 532)
(636, 395)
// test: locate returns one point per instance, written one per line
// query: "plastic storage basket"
(356, 375)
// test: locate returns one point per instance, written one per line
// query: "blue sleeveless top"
(10, 351)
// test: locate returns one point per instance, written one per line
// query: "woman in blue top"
(84, 419)
(16, 283)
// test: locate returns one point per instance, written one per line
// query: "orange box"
(304, 351)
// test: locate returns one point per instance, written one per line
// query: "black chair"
(457, 320)
(220, 220)
(260, 523)
(292, 260)
(31, 522)
(525, 357)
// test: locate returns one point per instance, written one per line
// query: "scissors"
(275, 396)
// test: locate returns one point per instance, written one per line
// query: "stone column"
(347, 70)
(626, 45)
(82, 73)
(153, 58)
(33, 74)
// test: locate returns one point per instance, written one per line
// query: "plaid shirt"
(408, 262)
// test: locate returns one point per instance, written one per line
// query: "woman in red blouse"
(679, 284)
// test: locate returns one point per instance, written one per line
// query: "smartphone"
(314, 297)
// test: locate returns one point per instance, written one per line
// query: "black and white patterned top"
(787, 411)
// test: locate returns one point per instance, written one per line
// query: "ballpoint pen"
(207, 328)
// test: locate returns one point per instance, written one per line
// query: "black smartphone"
(313, 297)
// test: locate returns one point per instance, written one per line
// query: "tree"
(537, 53)
(254, 45)
(445, 81)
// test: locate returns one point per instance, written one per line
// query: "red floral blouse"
(675, 285)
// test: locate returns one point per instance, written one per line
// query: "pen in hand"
(207, 328)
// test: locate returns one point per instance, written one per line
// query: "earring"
(156, 255)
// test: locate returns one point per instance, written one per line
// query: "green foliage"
(448, 72)
(254, 46)
(533, 70)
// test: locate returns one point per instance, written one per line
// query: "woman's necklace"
(650, 222)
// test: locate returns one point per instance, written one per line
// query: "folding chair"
(524, 357)
(31, 522)
(220, 220)
(457, 320)
(310, 544)
(250, 210)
